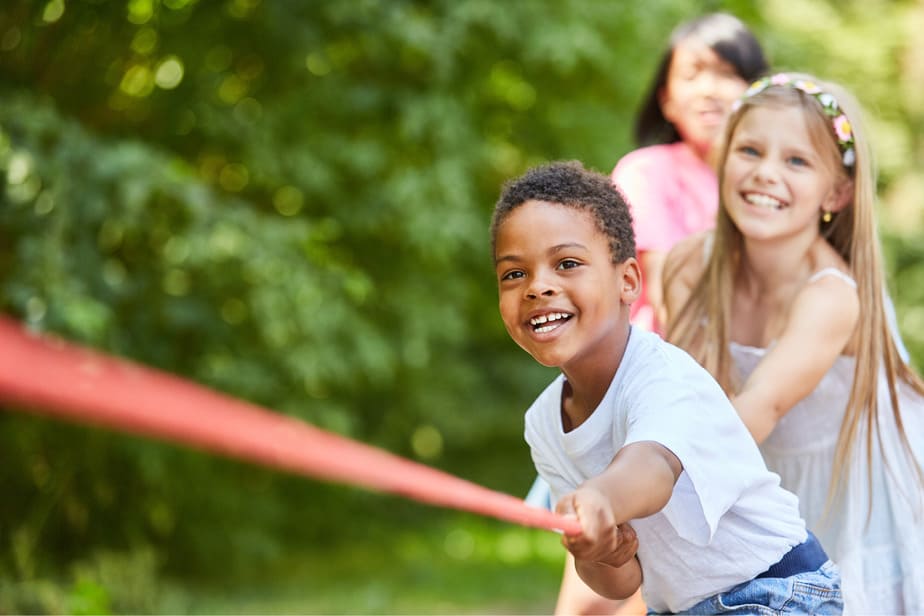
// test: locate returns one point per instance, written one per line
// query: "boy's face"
(561, 296)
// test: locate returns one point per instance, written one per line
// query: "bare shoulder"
(830, 300)
(826, 310)
(686, 261)
(683, 267)
(829, 297)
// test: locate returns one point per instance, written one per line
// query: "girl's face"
(775, 182)
(698, 94)
(562, 298)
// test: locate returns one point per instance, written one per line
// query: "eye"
(748, 150)
(568, 264)
(512, 275)
(798, 161)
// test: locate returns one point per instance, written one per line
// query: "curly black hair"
(570, 184)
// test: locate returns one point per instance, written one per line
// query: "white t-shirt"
(728, 519)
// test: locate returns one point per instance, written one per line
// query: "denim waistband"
(807, 556)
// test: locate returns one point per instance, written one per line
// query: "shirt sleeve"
(694, 419)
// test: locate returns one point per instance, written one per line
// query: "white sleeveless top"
(882, 564)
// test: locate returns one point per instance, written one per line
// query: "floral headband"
(839, 121)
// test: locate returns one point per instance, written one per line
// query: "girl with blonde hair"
(783, 304)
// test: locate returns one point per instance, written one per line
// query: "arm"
(821, 323)
(638, 483)
(577, 599)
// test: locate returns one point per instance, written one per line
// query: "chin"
(548, 363)
(549, 360)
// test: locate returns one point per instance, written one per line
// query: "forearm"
(758, 419)
(576, 598)
(611, 582)
(639, 481)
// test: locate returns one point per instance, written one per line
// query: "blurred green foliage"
(288, 202)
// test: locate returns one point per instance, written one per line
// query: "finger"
(565, 505)
(566, 508)
(578, 531)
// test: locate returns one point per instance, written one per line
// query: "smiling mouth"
(548, 322)
(763, 201)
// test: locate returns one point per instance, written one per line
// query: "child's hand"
(600, 540)
(628, 546)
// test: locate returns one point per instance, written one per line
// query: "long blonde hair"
(702, 325)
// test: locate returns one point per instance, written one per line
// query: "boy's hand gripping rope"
(49, 376)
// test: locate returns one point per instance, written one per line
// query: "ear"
(631, 281)
(840, 196)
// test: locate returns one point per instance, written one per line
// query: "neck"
(767, 267)
(589, 379)
(702, 153)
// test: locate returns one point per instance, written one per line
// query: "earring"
(826, 217)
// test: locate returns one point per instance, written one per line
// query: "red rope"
(50, 376)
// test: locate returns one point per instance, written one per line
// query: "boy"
(633, 428)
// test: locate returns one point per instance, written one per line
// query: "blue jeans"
(812, 592)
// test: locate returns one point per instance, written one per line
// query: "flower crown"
(839, 121)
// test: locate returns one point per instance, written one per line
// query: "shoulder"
(644, 160)
(829, 297)
(829, 300)
(686, 261)
(667, 396)
(546, 407)
(550, 397)
(665, 367)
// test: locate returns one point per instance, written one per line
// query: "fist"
(626, 548)
(601, 540)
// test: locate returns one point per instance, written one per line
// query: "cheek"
(732, 89)
(508, 307)
(730, 175)
(729, 188)
(678, 96)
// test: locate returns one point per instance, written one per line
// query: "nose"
(541, 286)
(706, 82)
(765, 171)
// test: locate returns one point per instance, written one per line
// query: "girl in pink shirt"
(669, 182)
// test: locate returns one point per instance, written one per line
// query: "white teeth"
(764, 201)
(552, 319)
(545, 318)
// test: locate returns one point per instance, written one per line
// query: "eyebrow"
(551, 251)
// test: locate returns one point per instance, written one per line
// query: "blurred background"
(288, 202)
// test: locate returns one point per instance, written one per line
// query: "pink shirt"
(672, 193)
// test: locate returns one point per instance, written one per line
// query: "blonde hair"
(702, 325)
